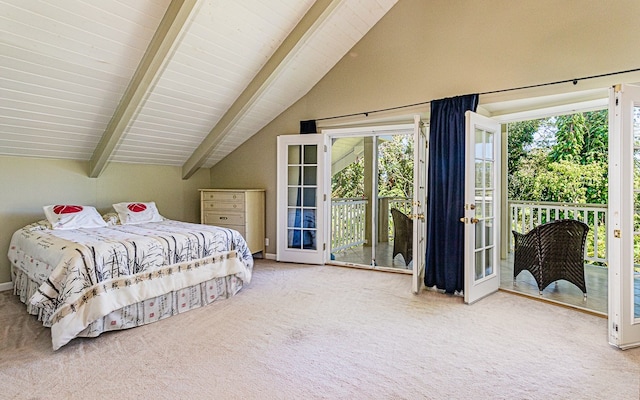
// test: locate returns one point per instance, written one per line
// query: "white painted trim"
(591, 105)
(6, 286)
(369, 129)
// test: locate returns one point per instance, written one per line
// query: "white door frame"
(481, 282)
(624, 325)
(331, 133)
(420, 185)
(284, 252)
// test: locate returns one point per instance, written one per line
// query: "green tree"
(395, 167)
(596, 138)
(566, 161)
(569, 138)
(395, 171)
(522, 183)
(567, 181)
(349, 182)
(519, 139)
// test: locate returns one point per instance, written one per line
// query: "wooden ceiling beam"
(164, 39)
(311, 21)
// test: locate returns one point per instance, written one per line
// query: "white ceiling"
(74, 83)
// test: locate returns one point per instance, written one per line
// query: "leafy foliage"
(395, 171)
(349, 183)
(570, 167)
(521, 136)
(395, 166)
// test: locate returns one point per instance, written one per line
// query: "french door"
(482, 207)
(300, 197)
(624, 210)
(303, 210)
(370, 179)
(420, 168)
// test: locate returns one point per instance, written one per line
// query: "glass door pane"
(350, 205)
(302, 186)
(370, 175)
(484, 194)
(395, 192)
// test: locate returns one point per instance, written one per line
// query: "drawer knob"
(223, 217)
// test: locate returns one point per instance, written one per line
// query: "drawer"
(214, 218)
(223, 196)
(239, 228)
(222, 206)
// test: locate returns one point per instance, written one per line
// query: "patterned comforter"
(85, 274)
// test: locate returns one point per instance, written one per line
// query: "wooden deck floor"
(362, 256)
(563, 292)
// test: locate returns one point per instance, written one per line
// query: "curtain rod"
(573, 80)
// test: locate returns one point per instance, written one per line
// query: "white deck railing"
(348, 220)
(347, 223)
(385, 221)
(524, 215)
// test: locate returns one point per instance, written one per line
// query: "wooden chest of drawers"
(239, 209)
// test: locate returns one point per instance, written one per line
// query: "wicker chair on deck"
(402, 235)
(551, 252)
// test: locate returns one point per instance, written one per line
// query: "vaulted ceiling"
(167, 82)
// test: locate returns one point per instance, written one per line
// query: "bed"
(83, 281)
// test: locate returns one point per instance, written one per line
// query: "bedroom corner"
(31, 183)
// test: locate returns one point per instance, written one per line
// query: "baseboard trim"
(6, 286)
(270, 256)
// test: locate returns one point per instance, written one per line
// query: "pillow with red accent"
(69, 216)
(134, 212)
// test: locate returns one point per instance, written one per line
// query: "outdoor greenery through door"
(558, 168)
(370, 176)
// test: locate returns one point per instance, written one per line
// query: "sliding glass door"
(371, 175)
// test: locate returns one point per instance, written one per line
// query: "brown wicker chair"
(402, 235)
(551, 252)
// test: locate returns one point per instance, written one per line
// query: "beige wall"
(423, 50)
(28, 184)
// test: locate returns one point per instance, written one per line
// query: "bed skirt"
(138, 314)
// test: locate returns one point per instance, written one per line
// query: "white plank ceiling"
(65, 66)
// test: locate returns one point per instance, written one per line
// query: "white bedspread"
(87, 273)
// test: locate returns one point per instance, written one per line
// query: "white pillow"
(134, 212)
(68, 216)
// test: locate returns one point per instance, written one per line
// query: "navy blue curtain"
(445, 199)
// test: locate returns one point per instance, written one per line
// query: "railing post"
(383, 220)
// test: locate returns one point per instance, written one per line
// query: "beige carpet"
(305, 332)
